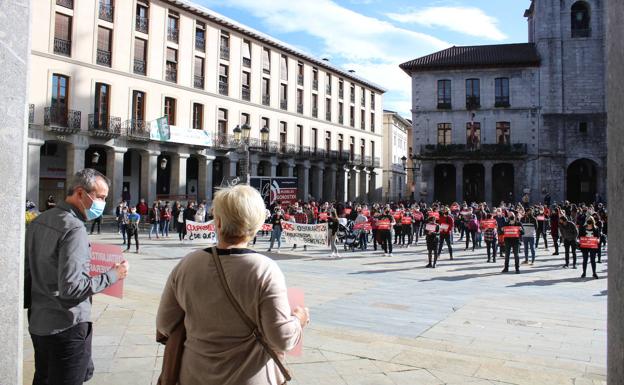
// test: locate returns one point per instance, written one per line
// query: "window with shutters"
(246, 53)
(138, 106)
(140, 56)
(101, 108)
(284, 68)
(503, 133)
(363, 119)
(173, 27)
(198, 116)
(172, 65)
(444, 134)
(315, 105)
(198, 80)
(225, 45)
(200, 37)
(473, 94)
(62, 34)
(266, 91)
(104, 52)
(223, 79)
(352, 116)
(222, 122)
(142, 18)
(246, 86)
(501, 86)
(300, 73)
(299, 101)
(340, 113)
(473, 135)
(328, 109)
(170, 111)
(300, 134)
(266, 60)
(444, 94)
(283, 96)
(315, 79)
(327, 140)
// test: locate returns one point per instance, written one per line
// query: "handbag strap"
(254, 329)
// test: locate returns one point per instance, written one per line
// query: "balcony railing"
(284, 104)
(225, 52)
(246, 94)
(300, 80)
(226, 141)
(344, 156)
(315, 84)
(136, 129)
(495, 151)
(376, 162)
(501, 101)
(106, 12)
(473, 102)
(62, 47)
(328, 116)
(198, 82)
(340, 119)
(318, 153)
(103, 57)
(581, 32)
(315, 112)
(331, 154)
(31, 113)
(200, 43)
(142, 24)
(247, 62)
(66, 3)
(266, 100)
(368, 161)
(223, 88)
(104, 126)
(341, 94)
(444, 105)
(303, 152)
(356, 159)
(61, 119)
(139, 67)
(171, 75)
(300, 108)
(287, 149)
(173, 34)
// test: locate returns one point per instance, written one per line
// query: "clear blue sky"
(374, 36)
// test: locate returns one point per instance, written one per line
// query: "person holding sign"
(384, 229)
(541, 229)
(589, 236)
(232, 303)
(569, 235)
(446, 229)
(333, 224)
(512, 232)
(528, 238)
(432, 230)
(57, 284)
(488, 227)
(276, 232)
(406, 228)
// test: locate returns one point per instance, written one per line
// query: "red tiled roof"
(478, 56)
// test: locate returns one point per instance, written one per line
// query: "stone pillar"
(149, 169)
(274, 164)
(459, 182)
(487, 166)
(363, 190)
(615, 170)
(373, 195)
(253, 165)
(114, 169)
(34, 169)
(317, 181)
(15, 30)
(353, 185)
(330, 182)
(341, 184)
(178, 174)
(204, 188)
(303, 180)
(75, 159)
(229, 165)
(290, 169)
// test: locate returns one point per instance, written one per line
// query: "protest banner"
(406, 220)
(201, 232)
(267, 227)
(435, 214)
(511, 231)
(303, 234)
(431, 227)
(384, 224)
(397, 215)
(103, 258)
(488, 224)
(365, 226)
(589, 242)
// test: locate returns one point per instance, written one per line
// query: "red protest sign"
(430, 227)
(267, 227)
(397, 215)
(511, 231)
(540, 218)
(488, 224)
(417, 215)
(366, 213)
(103, 258)
(435, 214)
(363, 226)
(383, 224)
(589, 242)
(322, 216)
(501, 238)
(406, 221)
(444, 228)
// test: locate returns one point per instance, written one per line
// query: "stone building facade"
(395, 182)
(493, 122)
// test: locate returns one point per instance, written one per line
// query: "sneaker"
(517, 271)
(385, 254)
(583, 275)
(505, 270)
(555, 253)
(525, 262)
(595, 276)
(390, 255)
(574, 267)
(566, 266)
(428, 265)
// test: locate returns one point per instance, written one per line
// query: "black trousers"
(491, 245)
(406, 231)
(515, 247)
(470, 234)
(567, 245)
(386, 240)
(64, 358)
(135, 234)
(445, 237)
(591, 253)
(97, 221)
(541, 232)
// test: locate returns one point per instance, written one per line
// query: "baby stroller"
(352, 238)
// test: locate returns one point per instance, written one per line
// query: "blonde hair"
(241, 212)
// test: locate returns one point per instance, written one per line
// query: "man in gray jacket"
(569, 233)
(58, 287)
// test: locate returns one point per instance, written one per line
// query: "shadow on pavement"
(549, 282)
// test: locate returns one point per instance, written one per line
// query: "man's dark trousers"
(64, 358)
(445, 237)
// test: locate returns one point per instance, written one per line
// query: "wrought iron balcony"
(284, 104)
(66, 3)
(200, 43)
(103, 57)
(482, 151)
(247, 62)
(223, 88)
(376, 162)
(31, 113)
(444, 104)
(300, 80)
(315, 84)
(171, 75)
(62, 47)
(269, 147)
(266, 100)
(356, 159)
(473, 102)
(318, 153)
(173, 34)
(246, 93)
(332, 154)
(140, 67)
(226, 141)
(303, 152)
(62, 120)
(315, 112)
(300, 108)
(287, 149)
(501, 101)
(198, 82)
(368, 161)
(225, 52)
(136, 129)
(142, 24)
(340, 119)
(104, 126)
(106, 12)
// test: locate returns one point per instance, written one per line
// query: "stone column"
(274, 164)
(373, 195)
(317, 181)
(459, 182)
(204, 188)
(34, 169)
(15, 30)
(353, 185)
(253, 165)
(178, 174)
(75, 159)
(615, 170)
(114, 169)
(342, 180)
(290, 169)
(303, 180)
(330, 182)
(229, 165)
(149, 169)
(363, 190)
(487, 166)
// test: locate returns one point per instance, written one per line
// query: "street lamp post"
(242, 136)
(415, 170)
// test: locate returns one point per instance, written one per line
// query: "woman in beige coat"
(220, 348)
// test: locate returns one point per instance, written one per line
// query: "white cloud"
(468, 20)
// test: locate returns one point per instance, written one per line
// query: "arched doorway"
(444, 183)
(163, 175)
(502, 182)
(217, 172)
(192, 178)
(52, 172)
(474, 183)
(581, 181)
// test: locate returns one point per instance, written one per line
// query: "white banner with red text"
(303, 234)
